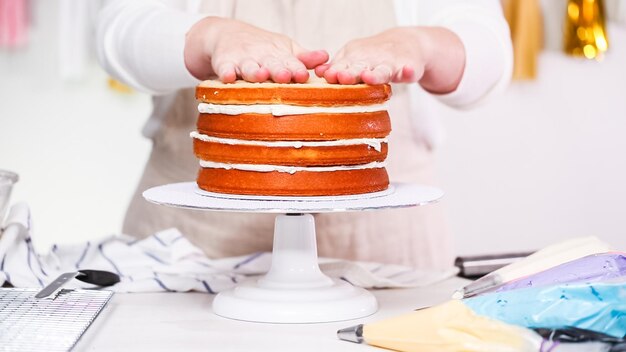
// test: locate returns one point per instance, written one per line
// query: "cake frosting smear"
(309, 139)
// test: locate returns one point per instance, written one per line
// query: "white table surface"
(185, 322)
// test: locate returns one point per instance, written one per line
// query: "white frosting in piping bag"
(290, 169)
(282, 110)
(375, 143)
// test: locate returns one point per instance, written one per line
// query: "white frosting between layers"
(289, 169)
(375, 143)
(282, 110)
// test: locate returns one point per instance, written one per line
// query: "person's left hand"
(383, 58)
(432, 56)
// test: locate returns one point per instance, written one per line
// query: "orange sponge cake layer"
(301, 183)
(316, 93)
(302, 156)
(296, 127)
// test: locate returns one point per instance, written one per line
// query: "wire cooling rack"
(30, 324)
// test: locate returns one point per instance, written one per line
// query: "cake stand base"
(295, 290)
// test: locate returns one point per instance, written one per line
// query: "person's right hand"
(231, 49)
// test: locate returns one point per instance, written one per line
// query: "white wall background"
(76, 145)
(545, 161)
(542, 163)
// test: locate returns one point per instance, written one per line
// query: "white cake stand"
(294, 290)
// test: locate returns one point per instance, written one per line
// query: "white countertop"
(185, 322)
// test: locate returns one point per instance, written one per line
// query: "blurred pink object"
(13, 23)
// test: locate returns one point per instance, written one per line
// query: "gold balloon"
(585, 29)
(526, 23)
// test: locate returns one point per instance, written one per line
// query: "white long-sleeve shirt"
(141, 42)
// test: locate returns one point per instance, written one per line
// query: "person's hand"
(230, 49)
(434, 57)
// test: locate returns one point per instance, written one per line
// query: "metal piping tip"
(352, 334)
(458, 294)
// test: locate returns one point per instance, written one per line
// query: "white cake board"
(294, 290)
(188, 195)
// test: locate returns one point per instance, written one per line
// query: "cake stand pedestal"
(294, 290)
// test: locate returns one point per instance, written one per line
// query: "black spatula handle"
(98, 277)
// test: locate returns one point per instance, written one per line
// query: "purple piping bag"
(589, 269)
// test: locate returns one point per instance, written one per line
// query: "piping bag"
(447, 327)
(599, 306)
(589, 269)
(541, 260)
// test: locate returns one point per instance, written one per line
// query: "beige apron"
(412, 236)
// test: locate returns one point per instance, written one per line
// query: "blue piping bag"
(598, 307)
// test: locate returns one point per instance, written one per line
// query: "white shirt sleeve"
(141, 42)
(485, 35)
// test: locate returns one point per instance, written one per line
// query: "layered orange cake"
(312, 139)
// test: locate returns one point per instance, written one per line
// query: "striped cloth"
(167, 261)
